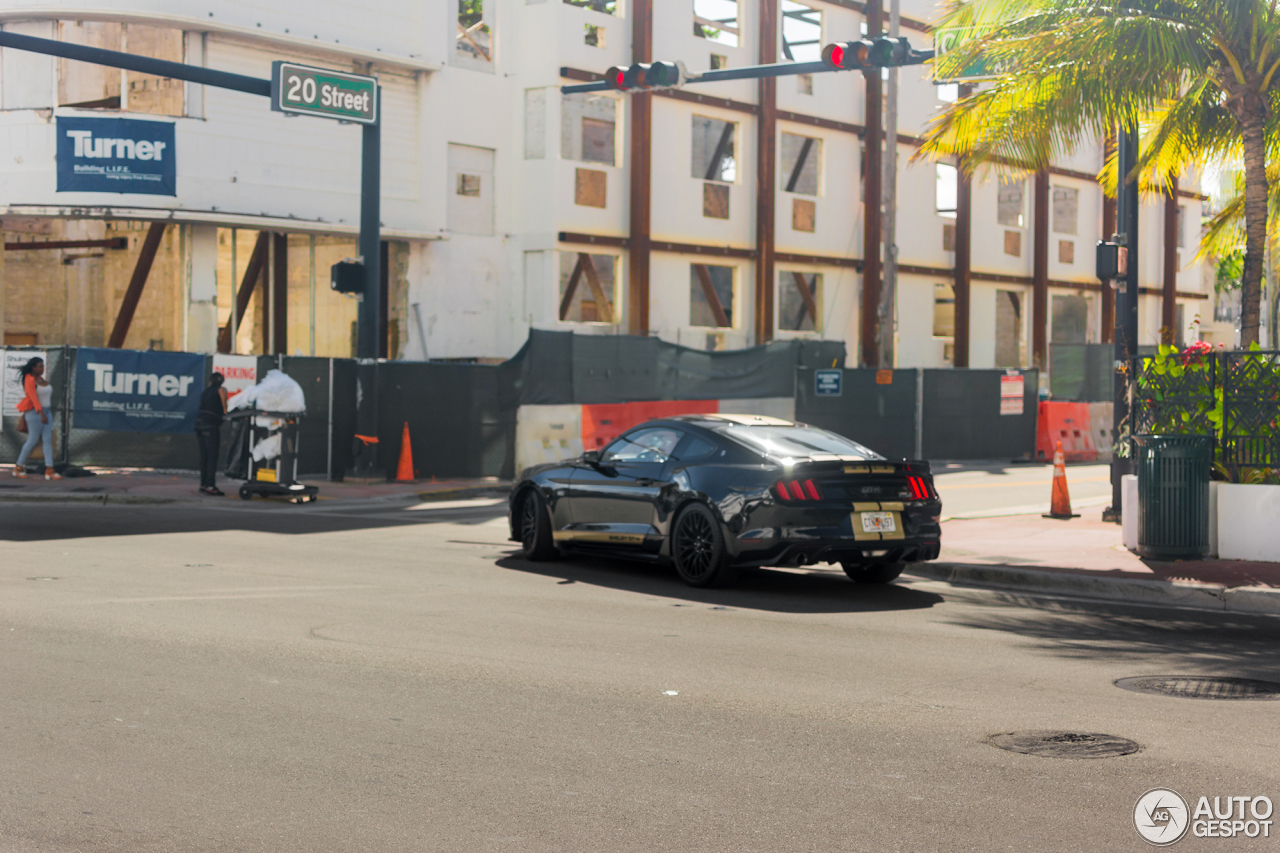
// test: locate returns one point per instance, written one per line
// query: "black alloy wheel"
(873, 572)
(697, 549)
(535, 528)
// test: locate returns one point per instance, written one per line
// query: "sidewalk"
(144, 486)
(1084, 557)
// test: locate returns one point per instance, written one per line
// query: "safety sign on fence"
(1011, 393)
(132, 391)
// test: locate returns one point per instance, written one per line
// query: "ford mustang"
(713, 494)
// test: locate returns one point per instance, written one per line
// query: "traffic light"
(645, 75)
(880, 53)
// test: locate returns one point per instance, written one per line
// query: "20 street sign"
(303, 90)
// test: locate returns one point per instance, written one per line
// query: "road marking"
(474, 503)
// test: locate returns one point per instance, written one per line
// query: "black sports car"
(716, 493)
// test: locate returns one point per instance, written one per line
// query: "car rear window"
(798, 441)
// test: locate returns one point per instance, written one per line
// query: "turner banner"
(116, 155)
(132, 391)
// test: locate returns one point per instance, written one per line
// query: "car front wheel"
(873, 572)
(697, 548)
(535, 528)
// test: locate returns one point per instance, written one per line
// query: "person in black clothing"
(213, 405)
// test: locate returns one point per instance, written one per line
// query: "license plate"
(878, 522)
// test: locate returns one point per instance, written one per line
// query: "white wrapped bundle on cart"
(264, 441)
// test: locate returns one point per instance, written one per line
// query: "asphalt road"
(973, 490)
(386, 678)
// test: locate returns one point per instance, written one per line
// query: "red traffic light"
(833, 55)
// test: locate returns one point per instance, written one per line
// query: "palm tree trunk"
(1255, 222)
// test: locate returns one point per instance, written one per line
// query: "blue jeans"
(37, 432)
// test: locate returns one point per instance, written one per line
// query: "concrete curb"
(1204, 596)
(101, 498)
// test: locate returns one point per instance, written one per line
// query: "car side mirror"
(591, 457)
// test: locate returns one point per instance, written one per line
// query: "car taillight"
(919, 488)
(797, 490)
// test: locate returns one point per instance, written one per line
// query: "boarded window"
(948, 237)
(593, 36)
(85, 85)
(608, 7)
(801, 156)
(1066, 252)
(801, 32)
(473, 42)
(1066, 207)
(590, 188)
(719, 60)
(713, 149)
(799, 300)
(716, 20)
(945, 190)
(1008, 329)
(1013, 243)
(804, 215)
(470, 205)
(944, 311)
(145, 93)
(535, 124)
(1070, 320)
(1009, 203)
(715, 201)
(588, 128)
(710, 295)
(588, 288)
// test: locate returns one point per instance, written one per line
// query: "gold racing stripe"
(599, 536)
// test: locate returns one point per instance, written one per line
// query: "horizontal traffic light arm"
(748, 72)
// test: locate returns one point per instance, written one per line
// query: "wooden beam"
(713, 298)
(251, 275)
(604, 309)
(1169, 304)
(1040, 274)
(766, 176)
(869, 342)
(112, 243)
(1108, 229)
(142, 269)
(806, 297)
(708, 100)
(713, 251)
(571, 288)
(641, 175)
(817, 260)
(280, 295)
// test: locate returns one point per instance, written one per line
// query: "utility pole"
(889, 292)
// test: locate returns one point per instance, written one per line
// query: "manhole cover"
(1055, 744)
(1201, 687)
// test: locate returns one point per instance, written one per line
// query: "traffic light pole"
(1126, 332)
(747, 72)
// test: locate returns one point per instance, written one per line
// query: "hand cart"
(276, 476)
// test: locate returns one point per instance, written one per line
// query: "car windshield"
(798, 441)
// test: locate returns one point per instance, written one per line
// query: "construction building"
(716, 216)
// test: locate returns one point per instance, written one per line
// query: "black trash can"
(1173, 495)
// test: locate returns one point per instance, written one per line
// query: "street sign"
(947, 40)
(826, 383)
(303, 90)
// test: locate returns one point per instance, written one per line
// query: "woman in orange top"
(34, 407)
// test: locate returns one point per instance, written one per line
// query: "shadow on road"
(36, 522)
(1182, 642)
(760, 589)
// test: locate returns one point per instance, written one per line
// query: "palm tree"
(1198, 75)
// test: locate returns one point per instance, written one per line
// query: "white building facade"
(508, 205)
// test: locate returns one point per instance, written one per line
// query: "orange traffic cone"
(404, 472)
(1060, 501)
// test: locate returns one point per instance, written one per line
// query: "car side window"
(695, 448)
(647, 445)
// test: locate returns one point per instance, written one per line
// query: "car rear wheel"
(535, 528)
(697, 548)
(873, 572)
